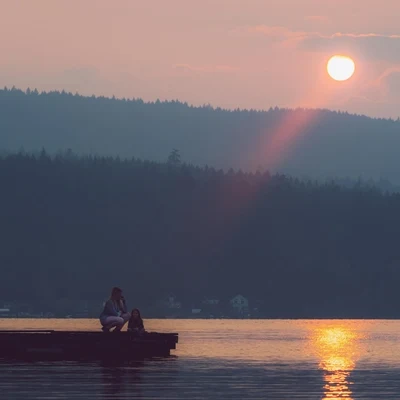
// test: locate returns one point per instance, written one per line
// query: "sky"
(227, 53)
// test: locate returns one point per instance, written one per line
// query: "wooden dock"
(84, 345)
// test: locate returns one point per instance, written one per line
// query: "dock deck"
(83, 345)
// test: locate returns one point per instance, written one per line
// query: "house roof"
(240, 296)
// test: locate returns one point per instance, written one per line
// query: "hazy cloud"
(366, 45)
(380, 96)
(391, 81)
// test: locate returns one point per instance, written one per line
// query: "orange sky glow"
(229, 53)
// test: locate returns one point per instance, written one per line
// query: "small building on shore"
(5, 312)
(240, 304)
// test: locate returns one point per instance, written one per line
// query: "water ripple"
(227, 360)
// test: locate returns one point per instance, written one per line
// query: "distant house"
(240, 304)
(8, 309)
(4, 312)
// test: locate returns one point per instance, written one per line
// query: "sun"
(340, 68)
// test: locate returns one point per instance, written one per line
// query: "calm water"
(227, 359)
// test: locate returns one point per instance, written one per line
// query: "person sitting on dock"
(114, 313)
(136, 322)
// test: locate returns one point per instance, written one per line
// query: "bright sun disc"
(341, 68)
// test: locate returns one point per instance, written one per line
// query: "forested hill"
(313, 143)
(73, 227)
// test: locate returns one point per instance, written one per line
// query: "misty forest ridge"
(314, 143)
(71, 225)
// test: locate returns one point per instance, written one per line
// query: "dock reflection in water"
(117, 380)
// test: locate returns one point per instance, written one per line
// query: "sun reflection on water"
(337, 348)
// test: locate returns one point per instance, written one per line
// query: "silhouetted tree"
(174, 159)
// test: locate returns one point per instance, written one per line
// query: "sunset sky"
(229, 53)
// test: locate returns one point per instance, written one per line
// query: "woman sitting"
(136, 323)
(114, 313)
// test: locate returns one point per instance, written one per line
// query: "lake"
(226, 359)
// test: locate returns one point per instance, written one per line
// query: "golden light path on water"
(338, 348)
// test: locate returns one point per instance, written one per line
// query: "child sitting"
(136, 323)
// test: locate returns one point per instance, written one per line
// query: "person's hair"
(115, 290)
(138, 311)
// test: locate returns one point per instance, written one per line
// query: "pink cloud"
(389, 81)
(381, 91)
(375, 46)
(360, 35)
(285, 33)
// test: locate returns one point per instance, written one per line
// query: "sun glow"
(341, 68)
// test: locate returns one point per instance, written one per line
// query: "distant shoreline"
(230, 318)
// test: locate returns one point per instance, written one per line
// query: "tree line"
(73, 226)
(314, 143)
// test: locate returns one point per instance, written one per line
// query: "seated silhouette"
(135, 324)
